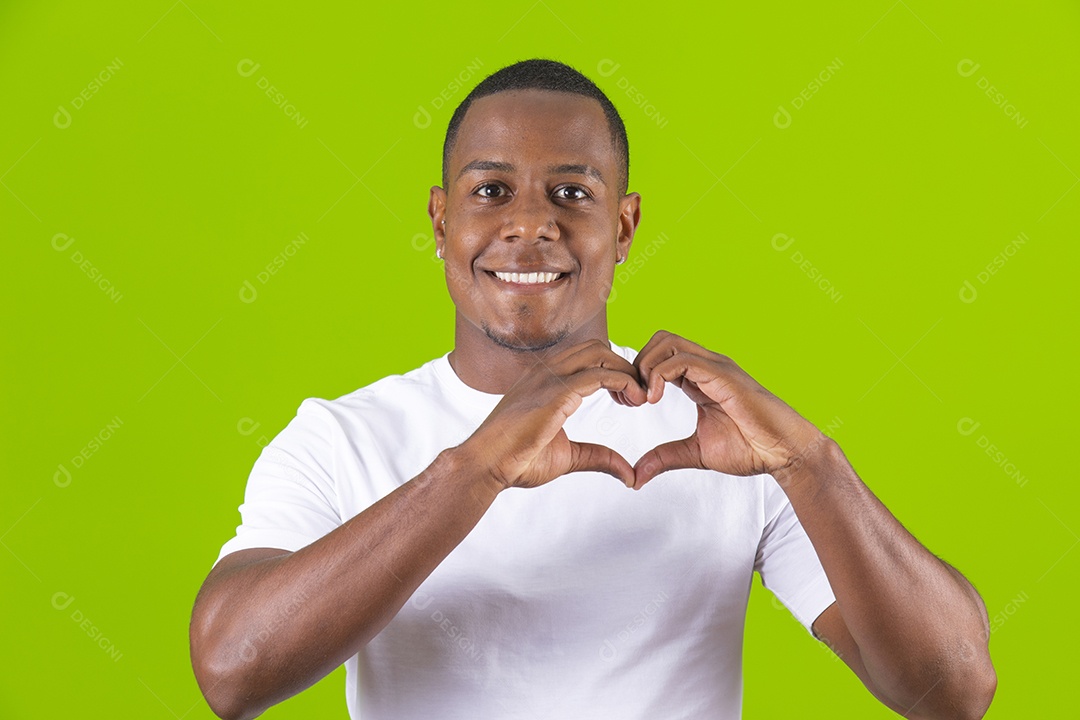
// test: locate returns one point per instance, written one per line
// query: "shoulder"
(388, 395)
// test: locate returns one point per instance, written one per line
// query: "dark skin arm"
(912, 628)
(829, 627)
(268, 623)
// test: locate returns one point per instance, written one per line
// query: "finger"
(645, 358)
(662, 346)
(600, 458)
(592, 354)
(586, 382)
(705, 375)
(685, 453)
(691, 390)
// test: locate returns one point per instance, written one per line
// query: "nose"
(530, 216)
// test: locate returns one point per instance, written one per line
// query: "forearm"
(275, 627)
(919, 625)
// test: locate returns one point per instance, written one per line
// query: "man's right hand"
(522, 442)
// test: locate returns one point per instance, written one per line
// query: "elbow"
(974, 681)
(221, 694)
(979, 693)
(963, 693)
(221, 672)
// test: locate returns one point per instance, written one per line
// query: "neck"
(484, 365)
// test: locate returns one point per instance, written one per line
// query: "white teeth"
(527, 278)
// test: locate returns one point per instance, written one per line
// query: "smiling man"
(454, 536)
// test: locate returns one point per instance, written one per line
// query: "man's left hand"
(742, 428)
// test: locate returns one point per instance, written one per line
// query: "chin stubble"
(516, 344)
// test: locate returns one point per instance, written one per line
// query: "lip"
(528, 288)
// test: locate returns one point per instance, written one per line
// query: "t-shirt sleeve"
(291, 499)
(787, 562)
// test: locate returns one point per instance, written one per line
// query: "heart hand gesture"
(742, 428)
(522, 442)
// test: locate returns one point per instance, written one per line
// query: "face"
(532, 219)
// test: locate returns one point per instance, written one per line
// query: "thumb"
(685, 453)
(600, 458)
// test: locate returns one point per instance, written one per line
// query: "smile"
(534, 278)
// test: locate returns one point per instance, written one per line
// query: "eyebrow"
(565, 169)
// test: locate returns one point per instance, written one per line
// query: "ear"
(437, 212)
(629, 217)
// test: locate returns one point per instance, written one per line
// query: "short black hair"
(541, 74)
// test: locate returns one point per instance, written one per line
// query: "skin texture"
(529, 217)
(533, 185)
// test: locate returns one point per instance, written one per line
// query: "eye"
(571, 192)
(489, 190)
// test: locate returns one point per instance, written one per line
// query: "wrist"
(816, 461)
(466, 466)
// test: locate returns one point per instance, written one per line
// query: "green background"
(179, 180)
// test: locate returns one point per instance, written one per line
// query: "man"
(420, 531)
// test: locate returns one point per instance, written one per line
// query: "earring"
(620, 261)
(438, 253)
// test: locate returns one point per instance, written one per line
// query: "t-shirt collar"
(480, 400)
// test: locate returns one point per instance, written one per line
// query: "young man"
(420, 529)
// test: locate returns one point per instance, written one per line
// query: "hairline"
(620, 152)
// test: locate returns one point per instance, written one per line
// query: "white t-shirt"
(578, 599)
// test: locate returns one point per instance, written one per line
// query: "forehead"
(534, 125)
